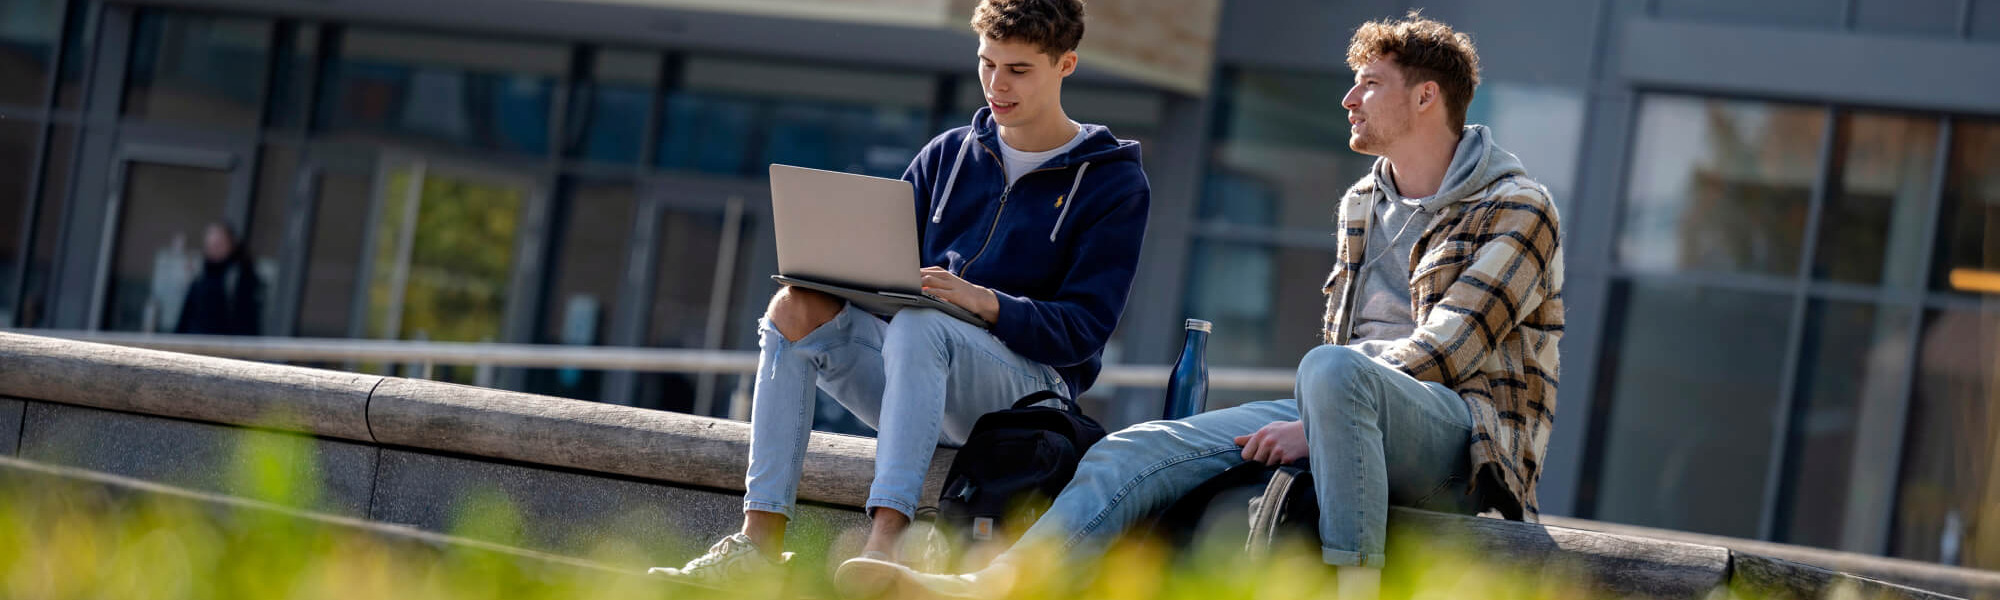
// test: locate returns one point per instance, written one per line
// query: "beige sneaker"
(729, 562)
(872, 577)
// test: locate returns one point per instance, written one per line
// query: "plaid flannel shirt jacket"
(1486, 293)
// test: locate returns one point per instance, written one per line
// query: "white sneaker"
(731, 561)
(875, 577)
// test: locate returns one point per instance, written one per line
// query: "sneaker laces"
(722, 551)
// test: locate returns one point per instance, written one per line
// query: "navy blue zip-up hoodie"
(1058, 248)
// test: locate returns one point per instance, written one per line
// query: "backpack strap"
(1039, 397)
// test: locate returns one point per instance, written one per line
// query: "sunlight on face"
(1022, 83)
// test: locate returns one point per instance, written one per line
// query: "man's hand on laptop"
(943, 285)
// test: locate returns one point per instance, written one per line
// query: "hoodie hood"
(1477, 163)
(1098, 146)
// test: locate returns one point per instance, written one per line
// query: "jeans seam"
(1119, 497)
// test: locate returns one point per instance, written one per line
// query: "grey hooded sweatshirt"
(1385, 312)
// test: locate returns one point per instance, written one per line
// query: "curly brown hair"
(1055, 26)
(1427, 50)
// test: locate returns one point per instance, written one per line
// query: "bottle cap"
(1199, 325)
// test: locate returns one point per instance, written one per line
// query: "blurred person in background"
(224, 298)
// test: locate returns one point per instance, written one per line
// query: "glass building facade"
(1782, 280)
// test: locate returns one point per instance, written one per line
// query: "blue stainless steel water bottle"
(1187, 389)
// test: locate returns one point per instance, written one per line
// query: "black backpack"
(1026, 453)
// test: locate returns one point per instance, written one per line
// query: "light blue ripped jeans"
(920, 380)
(1376, 436)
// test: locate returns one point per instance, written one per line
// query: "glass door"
(171, 260)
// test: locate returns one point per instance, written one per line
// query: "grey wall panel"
(1908, 17)
(198, 456)
(1544, 42)
(578, 514)
(1822, 14)
(1984, 22)
(1898, 71)
(11, 411)
(1296, 34)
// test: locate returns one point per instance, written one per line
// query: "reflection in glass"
(1694, 378)
(340, 216)
(589, 266)
(609, 119)
(1968, 258)
(17, 152)
(198, 69)
(28, 33)
(34, 309)
(1852, 363)
(294, 76)
(1281, 159)
(159, 243)
(467, 93)
(271, 203)
(735, 117)
(442, 257)
(690, 245)
(1951, 463)
(1872, 228)
(1720, 185)
(1267, 298)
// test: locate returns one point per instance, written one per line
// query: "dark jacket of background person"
(223, 300)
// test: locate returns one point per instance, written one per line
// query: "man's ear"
(1066, 63)
(1429, 95)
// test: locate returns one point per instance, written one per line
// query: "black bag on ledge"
(1013, 456)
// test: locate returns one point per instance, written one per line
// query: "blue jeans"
(920, 380)
(1376, 436)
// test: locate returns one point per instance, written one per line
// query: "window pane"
(198, 69)
(1852, 366)
(590, 264)
(78, 34)
(442, 256)
(160, 250)
(1277, 154)
(1720, 185)
(467, 93)
(28, 32)
(735, 117)
(17, 159)
(1695, 377)
(340, 216)
(689, 248)
(294, 77)
(55, 194)
(1872, 230)
(1951, 461)
(272, 203)
(610, 121)
(1969, 235)
(1540, 124)
(1262, 317)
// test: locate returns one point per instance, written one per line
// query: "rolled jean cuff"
(769, 507)
(908, 510)
(1350, 558)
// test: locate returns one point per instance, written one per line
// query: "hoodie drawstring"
(1069, 200)
(953, 179)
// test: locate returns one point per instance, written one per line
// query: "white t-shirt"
(1020, 162)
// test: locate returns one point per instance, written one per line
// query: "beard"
(1374, 137)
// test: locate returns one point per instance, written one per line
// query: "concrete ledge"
(570, 462)
(328, 403)
(621, 440)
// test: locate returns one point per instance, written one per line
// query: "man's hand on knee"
(1275, 444)
(799, 311)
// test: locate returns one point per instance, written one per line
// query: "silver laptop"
(852, 236)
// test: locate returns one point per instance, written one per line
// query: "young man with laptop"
(1027, 220)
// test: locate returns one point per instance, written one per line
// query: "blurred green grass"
(80, 539)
